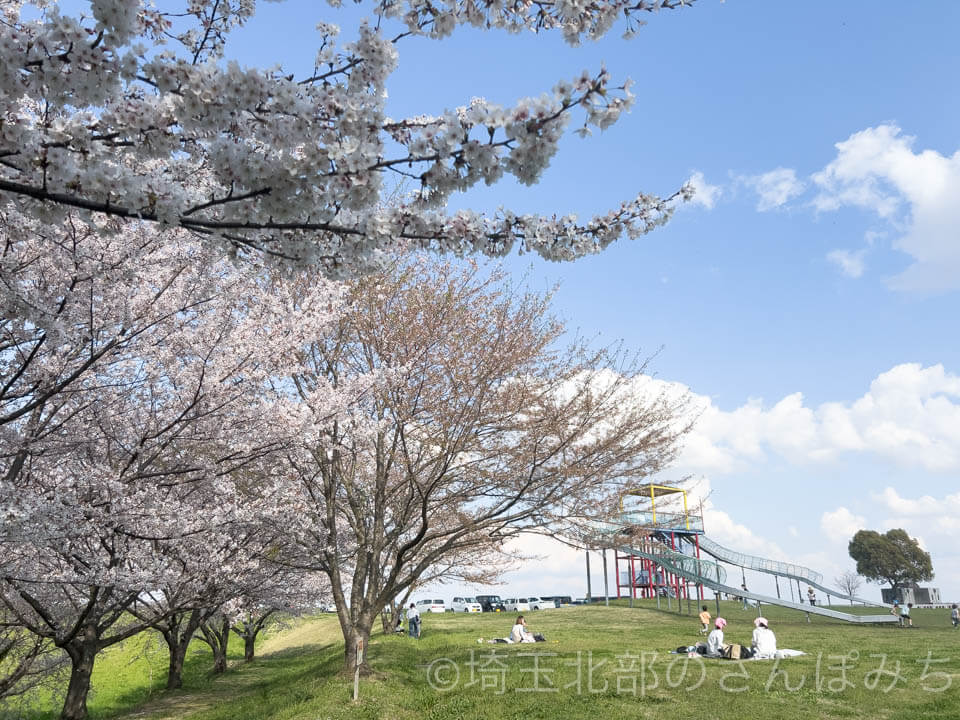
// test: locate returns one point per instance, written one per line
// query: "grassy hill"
(598, 662)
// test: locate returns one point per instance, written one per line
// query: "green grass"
(297, 675)
(126, 675)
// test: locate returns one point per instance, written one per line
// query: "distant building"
(916, 595)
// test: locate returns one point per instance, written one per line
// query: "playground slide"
(712, 575)
(775, 567)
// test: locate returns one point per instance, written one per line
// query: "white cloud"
(924, 506)
(840, 525)
(925, 514)
(850, 262)
(775, 188)
(877, 169)
(722, 529)
(910, 414)
(704, 194)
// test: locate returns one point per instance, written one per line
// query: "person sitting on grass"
(763, 643)
(520, 633)
(705, 621)
(715, 639)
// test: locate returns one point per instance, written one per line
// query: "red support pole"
(674, 580)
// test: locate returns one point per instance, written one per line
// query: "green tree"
(892, 557)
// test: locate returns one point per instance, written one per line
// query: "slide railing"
(752, 562)
(680, 564)
(775, 567)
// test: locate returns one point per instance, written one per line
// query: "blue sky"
(808, 297)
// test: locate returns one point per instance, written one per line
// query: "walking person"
(746, 603)
(955, 616)
(811, 596)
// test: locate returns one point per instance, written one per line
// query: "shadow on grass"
(285, 677)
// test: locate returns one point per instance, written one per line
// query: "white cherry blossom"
(132, 112)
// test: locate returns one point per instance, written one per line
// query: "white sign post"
(356, 672)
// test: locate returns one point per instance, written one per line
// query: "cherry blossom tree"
(252, 593)
(136, 394)
(179, 608)
(131, 112)
(481, 427)
(215, 632)
(25, 659)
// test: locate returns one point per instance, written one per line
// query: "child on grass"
(705, 621)
(905, 618)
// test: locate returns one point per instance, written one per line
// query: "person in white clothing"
(764, 642)
(413, 621)
(715, 638)
(519, 633)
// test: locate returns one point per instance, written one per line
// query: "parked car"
(517, 605)
(466, 604)
(434, 606)
(559, 600)
(538, 603)
(491, 603)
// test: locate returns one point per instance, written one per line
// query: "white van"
(465, 604)
(517, 605)
(434, 606)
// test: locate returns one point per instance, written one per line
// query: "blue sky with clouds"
(807, 297)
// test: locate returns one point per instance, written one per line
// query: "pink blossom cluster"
(133, 112)
(142, 411)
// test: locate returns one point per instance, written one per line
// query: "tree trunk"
(217, 636)
(82, 654)
(219, 662)
(175, 667)
(220, 653)
(249, 630)
(177, 644)
(360, 631)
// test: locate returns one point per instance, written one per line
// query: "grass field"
(598, 663)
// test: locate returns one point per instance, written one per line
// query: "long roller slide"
(711, 575)
(775, 567)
